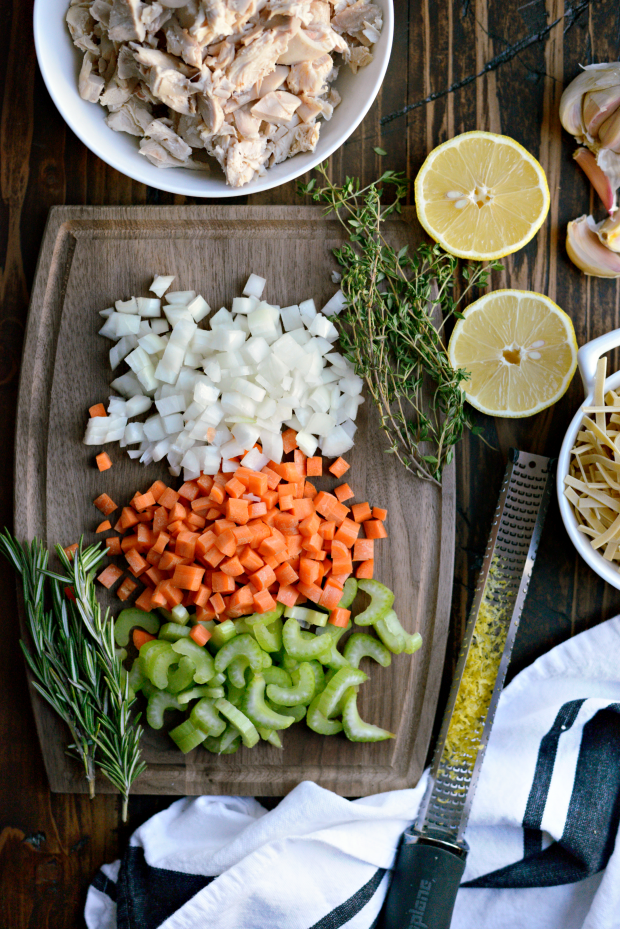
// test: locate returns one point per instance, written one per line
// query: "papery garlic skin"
(595, 78)
(586, 250)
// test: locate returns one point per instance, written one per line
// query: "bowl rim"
(596, 561)
(186, 188)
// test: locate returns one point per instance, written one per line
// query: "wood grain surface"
(92, 256)
(456, 65)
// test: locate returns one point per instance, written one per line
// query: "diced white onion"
(254, 286)
(161, 284)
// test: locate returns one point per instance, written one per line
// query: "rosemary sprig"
(74, 662)
(388, 329)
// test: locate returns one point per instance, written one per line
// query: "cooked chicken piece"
(117, 92)
(310, 44)
(310, 108)
(125, 22)
(309, 77)
(300, 8)
(154, 58)
(306, 138)
(132, 118)
(243, 160)
(217, 22)
(90, 85)
(161, 157)
(173, 89)
(358, 57)
(321, 12)
(161, 131)
(154, 17)
(333, 98)
(272, 81)
(127, 66)
(259, 57)
(190, 128)
(100, 10)
(81, 25)
(211, 111)
(224, 56)
(276, 107)
(362, 21)
(248, 126)
(281, 148)
(180, 43)
(173, 4)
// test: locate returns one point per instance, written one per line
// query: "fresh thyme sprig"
(75, 664)
(391, 329)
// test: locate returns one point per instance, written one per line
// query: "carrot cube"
(314, 466)
(361, 512)
(379, 513)
(330, 597)
(286, 502)
(201, 506)
(186, 545)
(109, 576)
(143, 602)
(113, 546)
(308, 570)
(217, 602)
(343, 492)
(160, 519)
(221, 525)
(105, 504)
(250, 560)
(324, 503)
(300, 461)
(171, 593)
(341, 558)
(126, 589)
(232, 567)
(287, 595)
(310, 490)
(205, 542)
(97, 410)
(263, 601)
(201, 596)
(310, 591)
(234, 488)
(168, 498)
(157, 489)
(365, 569)
(339, 467)
(200, 635)
(217, 493)
(222, 583)
(104, 526)
(289, 440)
(374, 529)
(188, 577)
(310, 525)
(313, 543)
(273, 479)
(237, 511)
(286, 523)
(263, 578)
(226, 543)
(136, 562)
(169, 561)
(303, 507)
(289, 471)
(243, 535)
(258, 483)
(103, 461)
(363, 549)
(177, 511)
(195, 521)
(257, 509)
(327, 529)
(348, 532)
(339, 617)
(285, 575)
(189, 491)
(213, 557)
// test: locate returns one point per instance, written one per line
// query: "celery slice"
(394, 636)
(301, 692)
(200, 656)
(136, 677)
(254, 706)
(195, 693)
(268, 636)
(414, 642)
(265, 618)
(222, 634)
(296, 712)
(187, 736)
(360, 645)
(205, 717)
(242, 627)
(158, 661)
(319, 723)
(290, 664)
(241, 645)
(179, 615)
(246, 727)
(330, 698)
(275, 675)
(172, 632)
(355, 729)
(181, 678)
(226, 744)
(270, 735)
(234, 694)
(349, 593)
(303, 646)
(381, 599)
(319, 675)
(218, 678)
(159, 702)
(154, 645)
(236, 671)
(130, 618)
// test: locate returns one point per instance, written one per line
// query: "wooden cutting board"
(92, 256)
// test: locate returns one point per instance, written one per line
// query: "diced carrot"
(374, 529)
(365, 569)
(104, 526)
(313, 543)
(196, 521)
(257, 509)
(263, 601)
(310, 591)
(226, 543)
(213, 513)
(241, 601)
(250, 560)
(293, 545)
(348, 532)
(217, 602)
(289, 440)
(140, 636)
(258, 483)
(157, 597)
(300, 461)
(310, 490)
(113, 546)
(136, 562)
(314, 466)
(222, 583)
(200, 635)
(217, 493)
(185, 545)
(339, 467)
(201, 596)
(330, 597)
(169, 561)
(234, 488)
(343, 492)
(161, 541)
(128, 518)
(339, 579)
(189, 491)
(324, 503)
(318, 556)
(153, 557)
(188, 577)
(379, 513)
(303, 507)
(109, 576)
(286, 575)
(221, 525)
(160, 519)
(263, 578)
(286, 502)
(103, 461)
(205, 482)
(286, 523)
(232, 566)
(341, 558)
(339, 617)
(177, 511)
(327, 529)
(273, 479)
(310, 525)
(143, 501)
(105, 504)
(97, 410)
(70, 550)
(168, 498)
(363, 550)
(175, 527)
(201, 506)
(308, 571)
(213, 557)
(244, 535)
(205, 542)
(237, 511)
(126, 589)
(155, 575)
(171, 592)
(361, 511)
(287, 595)
(157, 489)
(271, 545)
(144, 534)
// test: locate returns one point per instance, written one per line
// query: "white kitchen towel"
(542, 831)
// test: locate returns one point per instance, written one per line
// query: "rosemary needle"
(388, 328)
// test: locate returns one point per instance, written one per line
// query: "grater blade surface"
(487, 645)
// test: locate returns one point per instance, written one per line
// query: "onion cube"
(248, 389)
(134, 433)
(222, 320)
(335, 304)
(255, 350)
(242, 305)
(168, 405)
(272, 445)
(255, 460)
(212, 369)
(173, 423)
(160, 284)
(291, 318)
(307, 308)
(127, 385)
(152, 344)
(246, 435)
(149, 307)
(254, 286)
(181, 297)
(137, 404)
(199, 308)
(126, 306)
(154, 428)
(159, 326)
(174, 314)
(307, 443)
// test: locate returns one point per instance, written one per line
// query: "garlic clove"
(599, 105)
(587, 251)
(609, 132)
(592, 78)
(609, 233)
(597, 177)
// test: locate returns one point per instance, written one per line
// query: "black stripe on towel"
(104, 884)
(351, 907)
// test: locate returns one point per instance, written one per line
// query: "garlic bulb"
(587, 251)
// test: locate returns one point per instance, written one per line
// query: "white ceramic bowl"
(587, 357)
(60, 62)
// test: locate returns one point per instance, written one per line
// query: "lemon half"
(481, 195)
(520, 350)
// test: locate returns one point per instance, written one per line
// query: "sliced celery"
(148, 688)
(246, 727)
(217, 679)
(319, 723)
(300, 693)
(394, 637)
(226, 744)
(187, 736)
(179, 615)
(355, 729)
(130, 618)
(242, 627)
(330, 698)
(222, 634)
(349, 593)
(241, 645)
(265, 618)
(267, 661)
(158, 661)
(136, 677)
(195, 693)
(279, 676)
(205, 717)
(172, 632)
(303, 646)
(234, 694)
(236, 671)
(268, 636)
(181, 678)
(319, 675)
(414, 642)
(159, 702)
(290, 664)
(381, 599)
(254, 706)
(200, 656)
(270, 735)
(360, 645)
(154, 645)
(297, 712)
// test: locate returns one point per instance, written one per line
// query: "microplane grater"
(432, 855)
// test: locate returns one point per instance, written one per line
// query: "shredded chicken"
(242, 81)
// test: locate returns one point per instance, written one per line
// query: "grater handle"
(589, 354)
(424, 885)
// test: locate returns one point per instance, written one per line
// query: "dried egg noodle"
(592, 484)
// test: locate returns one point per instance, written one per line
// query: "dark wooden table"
(456, 65)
